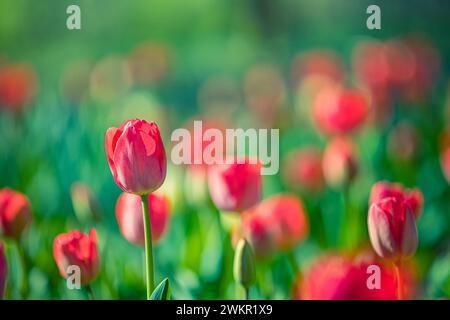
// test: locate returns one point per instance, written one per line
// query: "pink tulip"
(412, 197)
(136, 156)
(15, 213)
(303, 170)
(445, 163)
(77, 249)
(392, 228)
(130, 219)
(235, 187)
(280, 223)
(340, 163)
(340, 111)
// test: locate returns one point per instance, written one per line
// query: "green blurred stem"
(246, 290)
(345, 227)
(148, 245)
(24, 285)
(90, 292)
(293, 262)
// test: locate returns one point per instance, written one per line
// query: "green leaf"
(162, 291)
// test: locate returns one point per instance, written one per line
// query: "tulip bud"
(136, 156)
(18, 85)
(130, 219)
(340, 164)
(15, 213)
(392, 228)
(85, 204)
(3, 270)
(244, 264)
(77, 249)
(235, 187)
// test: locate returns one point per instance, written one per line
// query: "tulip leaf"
(162, 291)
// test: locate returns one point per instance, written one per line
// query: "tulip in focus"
(136, 156)
(235, 187)
(340, 163)
(15, 213)
(340, 111)
(75, 248)
(3, 270)
(278, 223)
(131, 222)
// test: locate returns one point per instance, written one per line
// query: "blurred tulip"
(131, 222)
(74, 84)
(303, 170)
(3, 270)
(335, 277)
(136, 156)
(15, 213)
(392, 228)
(244, 265)
(278, 223)
(109, 79)
(84, 202)
(265, 93)
(412, 197)
(149, 63)
(445, 163)
(18, 85)
(77, 249)
(339, 111)
(340, 163)
(322, 63)
(235, 187)
(403, 142)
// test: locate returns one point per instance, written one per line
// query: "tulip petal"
(409, 236)
(380, 233)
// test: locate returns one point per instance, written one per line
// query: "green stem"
(90, 292)
(24, 285)
(246, 290)
(148, 245)
(293, 263)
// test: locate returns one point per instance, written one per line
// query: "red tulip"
(304, 169)
(235, 187)
(77, 249)
(445, 163)
(15, 213)
(335, 277)
(392, 228)
(131, 222)
(339, 111)
(412, 197)
(340, 163)
(3, 270)
(17, 86)
(279, 222)
(136, 156)
(322, 63)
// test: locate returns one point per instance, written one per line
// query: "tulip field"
(222, 150)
